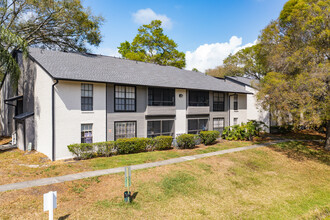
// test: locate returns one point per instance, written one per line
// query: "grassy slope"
(13, 163)
(260, 184)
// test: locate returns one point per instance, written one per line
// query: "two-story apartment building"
(64, 98)
(253, 109)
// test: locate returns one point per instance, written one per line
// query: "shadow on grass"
(134, 196)
(64, 217)
(299, 151)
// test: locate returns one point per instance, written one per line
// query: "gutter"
(53, 121)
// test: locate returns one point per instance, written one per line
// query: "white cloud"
(145, 16)
(211, 55)
(108, 52)
(29, 15)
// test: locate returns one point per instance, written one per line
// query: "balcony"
(198, 110)
(160, 110)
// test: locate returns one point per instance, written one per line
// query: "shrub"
(245, 131)
(208, 137)
(82, 151)
(186, 141)
(163, 142)
(132, 145)
(106, 148)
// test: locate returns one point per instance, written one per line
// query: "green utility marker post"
(127, 194)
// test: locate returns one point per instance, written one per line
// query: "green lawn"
(14, 166)
(146, 157)
(262, 183)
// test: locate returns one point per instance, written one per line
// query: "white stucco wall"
(181, 110)
(69, 117)
(43, 112)
(254, 111)
(241, 113)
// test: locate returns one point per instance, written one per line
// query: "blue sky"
(207, 31)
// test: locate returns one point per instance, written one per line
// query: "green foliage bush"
(186, 141)
(163, 142)
(245, 131)
(82, 151)
(132, 145)
(208, 137)
(106, 148)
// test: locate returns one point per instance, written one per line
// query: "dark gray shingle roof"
(98, 68)
(244, 80)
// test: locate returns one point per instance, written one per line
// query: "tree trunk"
(327, 139)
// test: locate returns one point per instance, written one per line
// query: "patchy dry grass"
(18, 166)
(254, 184)
(4, 140)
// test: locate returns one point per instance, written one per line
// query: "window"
(86, 97)
(235, 121)
(125, 98)
(218, 101)
(198, 98)
(125, 129)
(161, 97)
(218, 124)
(236, 102)
(87, 133)
(197, 125)
(160, 128)
(19, 107)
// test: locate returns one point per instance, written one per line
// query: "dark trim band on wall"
(53, 121)
(229, 106)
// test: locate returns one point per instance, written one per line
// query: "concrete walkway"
(78, 176)
(7, 147)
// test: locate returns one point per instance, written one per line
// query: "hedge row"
(121, 146)
(189, 141)
(136, 145)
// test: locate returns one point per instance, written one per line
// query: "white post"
(50, 203)
(51, 214)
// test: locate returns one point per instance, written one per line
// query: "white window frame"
(84, 129)
(125, 135)
(217, 128)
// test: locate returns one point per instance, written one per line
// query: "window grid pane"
(86, 97)
(87, 133)
(218, 101)
(235, 102)
(125, 130)
(218, 124)
(125, 98)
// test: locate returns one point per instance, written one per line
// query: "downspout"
(106, 112)
(53, 121)
(24, 133)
